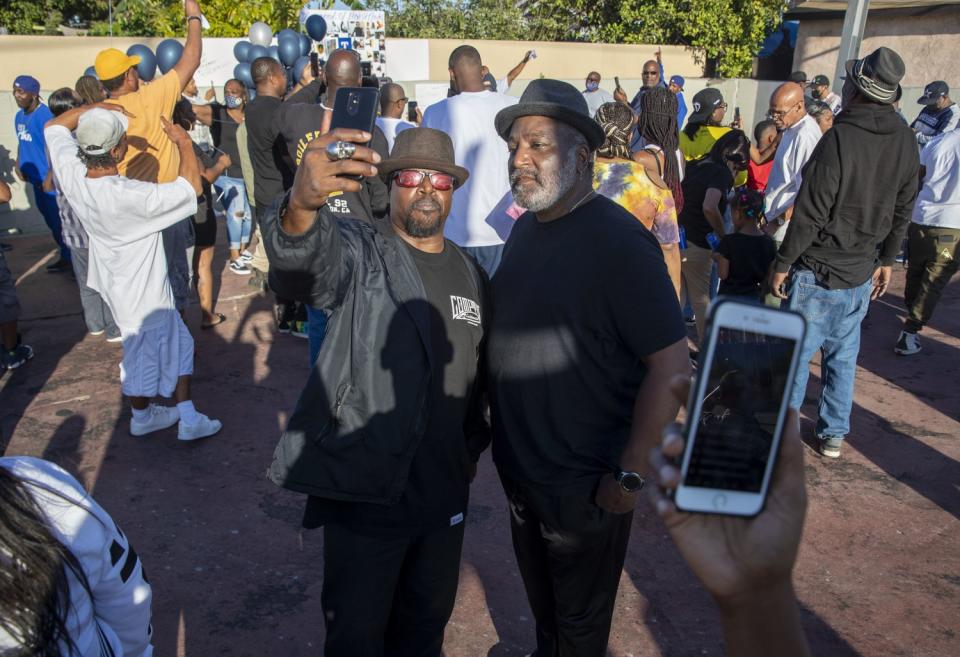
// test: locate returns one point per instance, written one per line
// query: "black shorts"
(205, 232)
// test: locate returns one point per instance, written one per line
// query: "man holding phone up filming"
(385, 437)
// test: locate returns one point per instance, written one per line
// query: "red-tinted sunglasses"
(441, 182)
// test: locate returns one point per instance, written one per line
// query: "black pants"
(570, 553)
(388, 597)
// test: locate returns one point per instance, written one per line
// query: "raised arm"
(518, 69)
(190, 59)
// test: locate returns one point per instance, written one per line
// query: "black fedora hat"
(556, 100)
(423, 148)
(877, 76)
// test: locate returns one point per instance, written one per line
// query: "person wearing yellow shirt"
(704, 128)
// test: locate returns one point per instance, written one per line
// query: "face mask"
(233, 102)
(592, 86)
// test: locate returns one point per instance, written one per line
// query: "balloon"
(274, 52)
(256, 52)
(298, 67)
(147, 67)
(260, 34)
(168, 54)
(91, 72)
(242, 72)
(316, 27)
(306, 45)
(240, 50)
(287, 32)
(288, 46)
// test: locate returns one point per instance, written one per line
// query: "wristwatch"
(194, 18)
(781, 220)
(630, 482)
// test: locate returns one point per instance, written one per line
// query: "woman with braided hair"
(659, 135)
(636, 186)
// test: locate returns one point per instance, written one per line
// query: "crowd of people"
(494, 270)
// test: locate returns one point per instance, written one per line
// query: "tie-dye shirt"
(626, 183)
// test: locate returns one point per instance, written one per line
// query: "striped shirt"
(74, 236)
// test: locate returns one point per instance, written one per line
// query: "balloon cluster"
(167, 55)
(292, 49)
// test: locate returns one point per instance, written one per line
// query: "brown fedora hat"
(423, 148)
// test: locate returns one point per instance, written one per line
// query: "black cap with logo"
(934, 92)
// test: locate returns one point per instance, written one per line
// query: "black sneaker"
(60, 265)
(690, 321)
(830, 446)
(16, 357)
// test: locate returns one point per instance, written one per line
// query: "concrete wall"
(928, 44)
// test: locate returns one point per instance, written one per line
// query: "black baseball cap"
(934, 92)
(704, 102)
(820, 81)
(798, 76)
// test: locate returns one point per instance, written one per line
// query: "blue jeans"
(316, 331)
(487, 257)
(47, 206)
(833, 327)
(239, 217)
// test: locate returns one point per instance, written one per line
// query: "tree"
(452, 19)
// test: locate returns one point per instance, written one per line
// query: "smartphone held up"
(737, 408)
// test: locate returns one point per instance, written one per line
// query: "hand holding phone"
(738, 407)
(412, 112)
(734, 555)
(314, 64)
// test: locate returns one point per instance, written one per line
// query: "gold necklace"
(581, 201)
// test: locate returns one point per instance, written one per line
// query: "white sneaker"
(201, 429)
(160, 417)
(246, 257)
(908, 344)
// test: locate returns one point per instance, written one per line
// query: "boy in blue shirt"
(32, 162)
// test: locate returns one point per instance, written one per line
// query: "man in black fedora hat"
(850, 201)
(386, 434)
(586, 330)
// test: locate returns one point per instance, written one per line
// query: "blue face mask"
(592, 86)
(233, 102)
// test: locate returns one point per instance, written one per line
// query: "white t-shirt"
(477, 217)
(117, 616)
(596, 98)
(392, 127)
(938, 204)
(834, 101)
(796, 146)
(123, 219)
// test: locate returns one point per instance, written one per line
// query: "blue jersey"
(32, 152)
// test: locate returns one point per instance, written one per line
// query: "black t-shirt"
(272, 172)
(701, 176)
(299, 125)
(438, 482)
(750, 257)
(577, 303)
(224, 131)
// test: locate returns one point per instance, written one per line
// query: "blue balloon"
(256, 52)
(168, 54)
(288, 47)
(306, 45)
(316, 27)
(298, 67)
(287, 32)
(241, 49)
(147, 67)
(242, 72)
(91, 72)
(275, 52)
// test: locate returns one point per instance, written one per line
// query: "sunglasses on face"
(441, 182)
(646, 73)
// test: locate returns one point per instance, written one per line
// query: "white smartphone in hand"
(737, 408)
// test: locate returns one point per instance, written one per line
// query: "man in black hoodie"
(858, 191)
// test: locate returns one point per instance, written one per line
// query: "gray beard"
(413, 228)
(550, 189)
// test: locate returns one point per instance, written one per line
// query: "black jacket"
(360, 418)
(857, 193)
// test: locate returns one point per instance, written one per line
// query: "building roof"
(823, 8)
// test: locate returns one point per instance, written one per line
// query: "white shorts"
(154, 358)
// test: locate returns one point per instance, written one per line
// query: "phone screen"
(746, 382)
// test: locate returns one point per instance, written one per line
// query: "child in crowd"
(762, 155)
(744, 257)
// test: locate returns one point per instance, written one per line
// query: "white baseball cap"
(100, 130)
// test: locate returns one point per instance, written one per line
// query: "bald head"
(466, 69)
(341, 70)
(392, 100)
(651, 74)
(786, 105)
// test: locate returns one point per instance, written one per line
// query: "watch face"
(631, 481)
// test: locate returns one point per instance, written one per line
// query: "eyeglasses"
(646, 73)
(779, 114)
(401, 100)
(442, 182)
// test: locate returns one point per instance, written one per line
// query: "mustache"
(516, 174)
(425, 205)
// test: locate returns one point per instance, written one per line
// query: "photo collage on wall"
(362, 31)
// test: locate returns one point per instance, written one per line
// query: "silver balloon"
(260, 34)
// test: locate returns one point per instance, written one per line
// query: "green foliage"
(453, 19)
